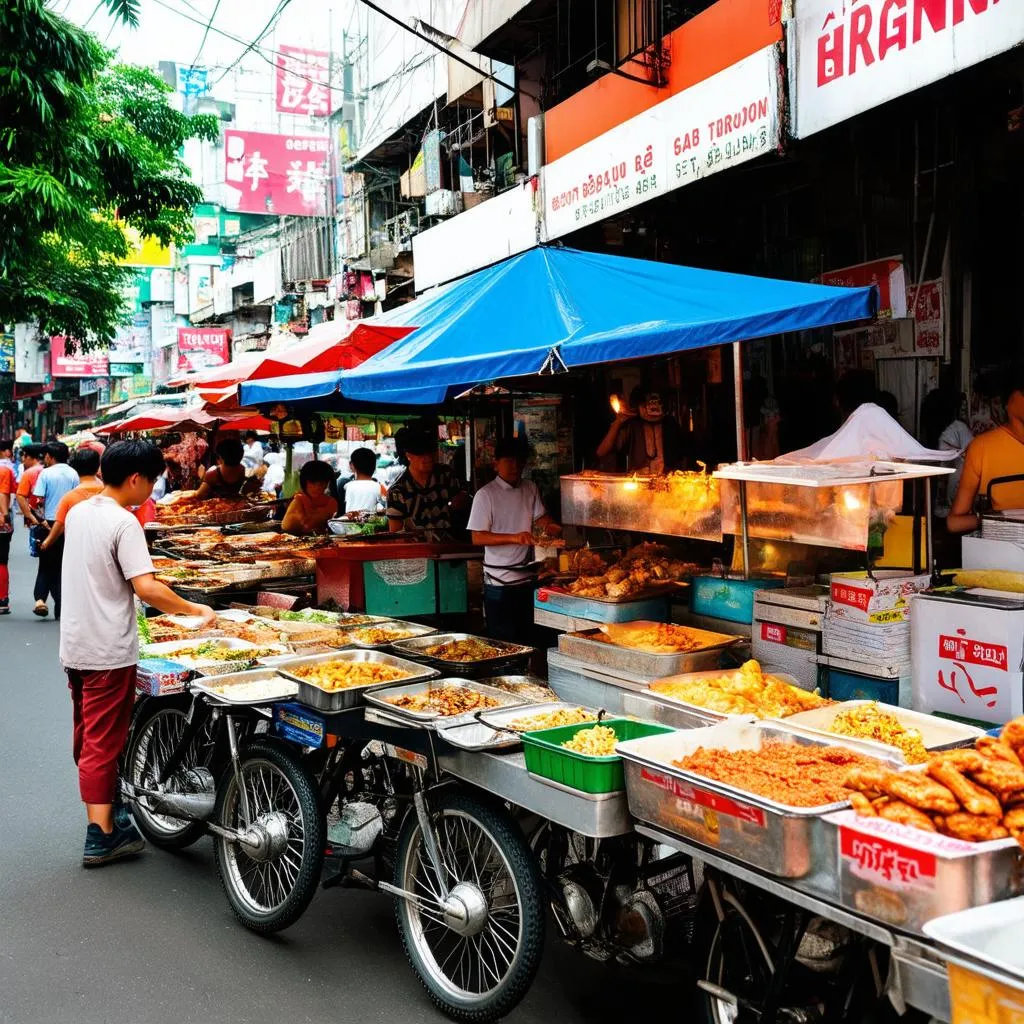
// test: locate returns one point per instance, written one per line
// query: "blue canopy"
(553, 308)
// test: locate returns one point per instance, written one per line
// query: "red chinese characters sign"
(886, 863)
(302, 83)
(887, 274)
(200, 347)
(281, 174)
(78, 365)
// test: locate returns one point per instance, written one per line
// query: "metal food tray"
(724, 716)
(517, 684)
(339, 700)
(984, 939)
(168, 648)
(936, 733)
(788, 842)
(905, 877)
(606, 655)
(479, 735)
(431, 718)
(287, 690)
(414, 629)
(511, 655)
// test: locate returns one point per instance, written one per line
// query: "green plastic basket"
(546, 757)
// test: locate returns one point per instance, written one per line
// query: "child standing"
(364, 494)
(312, 506)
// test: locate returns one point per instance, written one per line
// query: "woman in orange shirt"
(312, 506)
(996, 453)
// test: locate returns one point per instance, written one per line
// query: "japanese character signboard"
(850, 57)
(725, 120)
(302, 82)
(280, 174)
(199, 347)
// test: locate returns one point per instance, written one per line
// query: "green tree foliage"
(83, 140)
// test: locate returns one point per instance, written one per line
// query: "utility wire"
(259, 39)
(206, 35)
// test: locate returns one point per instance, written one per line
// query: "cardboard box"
(881, 600)
(968, 656)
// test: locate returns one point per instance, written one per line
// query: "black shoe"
(5, 606)
(103, 848)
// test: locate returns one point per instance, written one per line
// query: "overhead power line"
(206, 35)
(280, 9)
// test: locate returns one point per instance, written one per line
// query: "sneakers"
(101, 848)
(41, 610)
(5, 607)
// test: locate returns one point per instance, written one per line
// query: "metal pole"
(741, 428)
(928, 524)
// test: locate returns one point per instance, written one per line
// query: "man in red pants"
(106, 564)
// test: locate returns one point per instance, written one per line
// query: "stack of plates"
(1007, 525)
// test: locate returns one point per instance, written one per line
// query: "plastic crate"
(408, 587)
(725, 598)
(844, 685)
(546, 757)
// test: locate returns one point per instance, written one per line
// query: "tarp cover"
(578, 308)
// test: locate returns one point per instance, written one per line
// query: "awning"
(186, 420)
(553, 308)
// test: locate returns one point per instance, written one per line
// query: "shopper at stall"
(56, 480)
(271, 475)
(109, 565)
(86, 464)
(312, 506)
(996, 454)
(651, 441)
(428, 495)
(252, 452)
(31, 467)
(8, 488)
(363, 493)
(227, 479)
(506, 514)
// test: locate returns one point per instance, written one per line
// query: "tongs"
(601, 713)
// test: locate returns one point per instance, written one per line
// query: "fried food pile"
(597, 741)
(551, 719)
(445, 701)
(747, 691)
(976, 795)
(373, 635)
(186, 510)
(654, 637)
(870, 722)
(343, 675)
(639, 569)
(788, 773)
(463, 650)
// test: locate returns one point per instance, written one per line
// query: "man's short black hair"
(420, 441)
(250, 435)
(6, 445)
(1012, 380)
(57, 450)
(126, 458)
(509, 448)
(33, 451)
(230, 452)
(364, 461)
(85, 461)
(314, 472)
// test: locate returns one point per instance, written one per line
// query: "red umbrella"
(186, 420)
(354, 343)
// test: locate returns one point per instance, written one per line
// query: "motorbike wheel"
(155, 733)
(270, 883)
(476, 951)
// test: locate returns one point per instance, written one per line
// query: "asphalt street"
(153, 940)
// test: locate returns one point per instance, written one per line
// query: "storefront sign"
(199, 347)
(302, 82)
(6, 353)
(852, 56)
(925, 308)
(725, 120)
(280, 174)
(887, 275)
(77, 365)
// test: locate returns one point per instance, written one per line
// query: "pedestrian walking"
(56, 480)
(108, 565)
(7, 490)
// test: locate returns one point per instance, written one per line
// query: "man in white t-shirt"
(106, 565)
(505, 515)
(252, 452)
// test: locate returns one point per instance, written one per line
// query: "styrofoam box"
(880, 600)
(982, 553)
(967, 658)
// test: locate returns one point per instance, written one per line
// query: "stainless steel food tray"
(724, 716)
(905, 877)
(511, 655)
(500, 717)
(936, 733)
(379, 698)
(605, 655)
(414, 629)
(789, 842)
(520, 686)
(287, 690)
(478, 735)
(338, 700)
(985, 939)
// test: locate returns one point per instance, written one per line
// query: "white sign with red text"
(967, 659)
(848, 56)
(725, 120)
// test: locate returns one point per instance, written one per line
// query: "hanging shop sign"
(925, 307)
(850, 57)
(303, 82)
(725, 120)
(279, 174)
(199, 347)
(6, 353)
(79, 365)
(887, 275)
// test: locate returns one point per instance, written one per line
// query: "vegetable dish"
(870, 722)
(597, 741)
(444, 700)
(374, 635)
(343, 675)
(551, 719)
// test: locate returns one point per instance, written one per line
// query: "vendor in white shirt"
(507, 517)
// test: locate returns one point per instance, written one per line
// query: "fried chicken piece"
(865, 780)
(974, 799)
(1013, 821)
(923, 793)
(1006, 781)
(997, 750)
(973, 828)
(965, 761)
(862, 805)
(904, 814)
(1013, 736)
